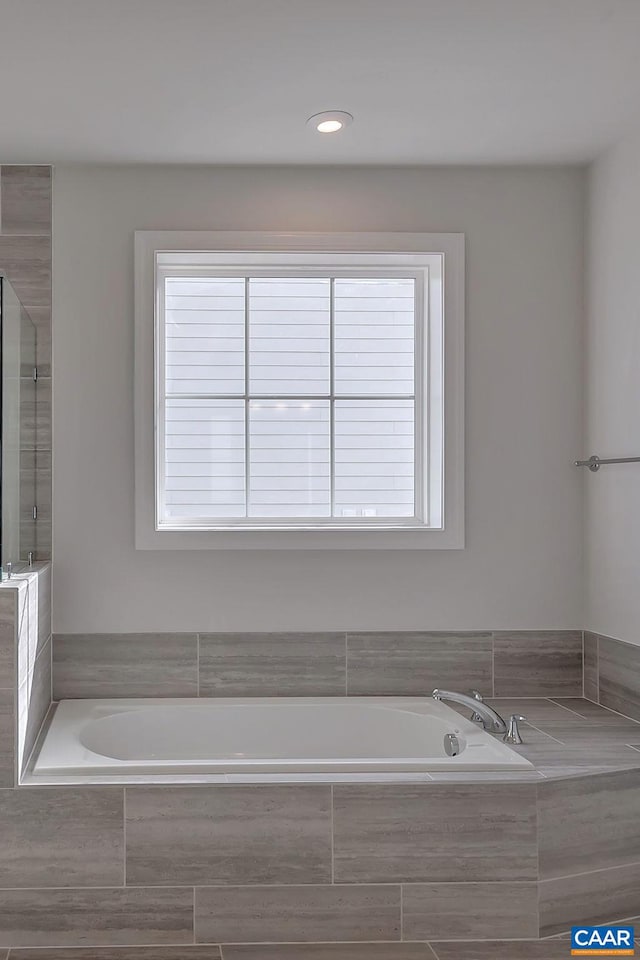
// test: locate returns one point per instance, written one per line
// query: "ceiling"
(233, 81)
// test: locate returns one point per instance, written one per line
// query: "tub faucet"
(475, 716)
(492, 722)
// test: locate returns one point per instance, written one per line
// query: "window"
(297, 390)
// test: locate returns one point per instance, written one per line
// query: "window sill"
(405, 538)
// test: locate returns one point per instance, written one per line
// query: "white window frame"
(442, 352)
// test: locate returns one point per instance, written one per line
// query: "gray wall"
(522, 565)
(613, 395)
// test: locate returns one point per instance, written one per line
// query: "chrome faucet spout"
(492, 722)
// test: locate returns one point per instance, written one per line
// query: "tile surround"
(465, 911)
(34, 700)
(602, 896)
(577, 831)
(503, 950)
(272, 665)
(619, 676)
(55, 837)
(7, 738)
(591, 666)
(327, 951)
(314, 664)
(181, 827)
(538, 664)
(25, 200)
(297, 913)
(227, 834)
(81, 917)
(186, 952)
(444, 832)
(412, 664)
(125, 665)
(253, 854)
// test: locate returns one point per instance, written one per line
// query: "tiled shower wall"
(25, 258)
(522, 664)
(25, 667)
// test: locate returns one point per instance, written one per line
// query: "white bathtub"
(233, 739)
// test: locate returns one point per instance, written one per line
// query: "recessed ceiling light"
(330, 121)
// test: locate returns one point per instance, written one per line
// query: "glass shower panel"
(18, 432)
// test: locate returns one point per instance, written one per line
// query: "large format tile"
(503, 950)
(41, 317)
(52, 918)
(588, 710)
(272, 664)
(34, 699)
(125, 665)
(229, 834)
(590, 898)
(330, 951)
(560, 759)
(8, 613)
(594, 735)
(61, 837)
(44, 603)
(7, 738)
(25, 199)
(619, 676)
(591, 666)
(412, 664)
(119, 953)
(538, 664)
(434, 831)
(588, 823)
(537, 710)
(27, 263)
(44, 414)
(310, 913)
(462, 911)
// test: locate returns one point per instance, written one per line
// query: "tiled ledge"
(531, 663)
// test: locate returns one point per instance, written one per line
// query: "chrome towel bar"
(594, 463)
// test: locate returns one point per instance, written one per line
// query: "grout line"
(585, 873)
(583, 664)
(544, 733)
(597, 668)
(194, 914)
(401, 912)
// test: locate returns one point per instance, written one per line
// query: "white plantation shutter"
(374, 337)
(289, 337)
(204, 327)
(289, 398)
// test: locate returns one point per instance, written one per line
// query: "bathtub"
(229, 739)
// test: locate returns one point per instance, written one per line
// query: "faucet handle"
(475, 717)
(513, 733)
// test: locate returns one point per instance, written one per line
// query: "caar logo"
(602, 942)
